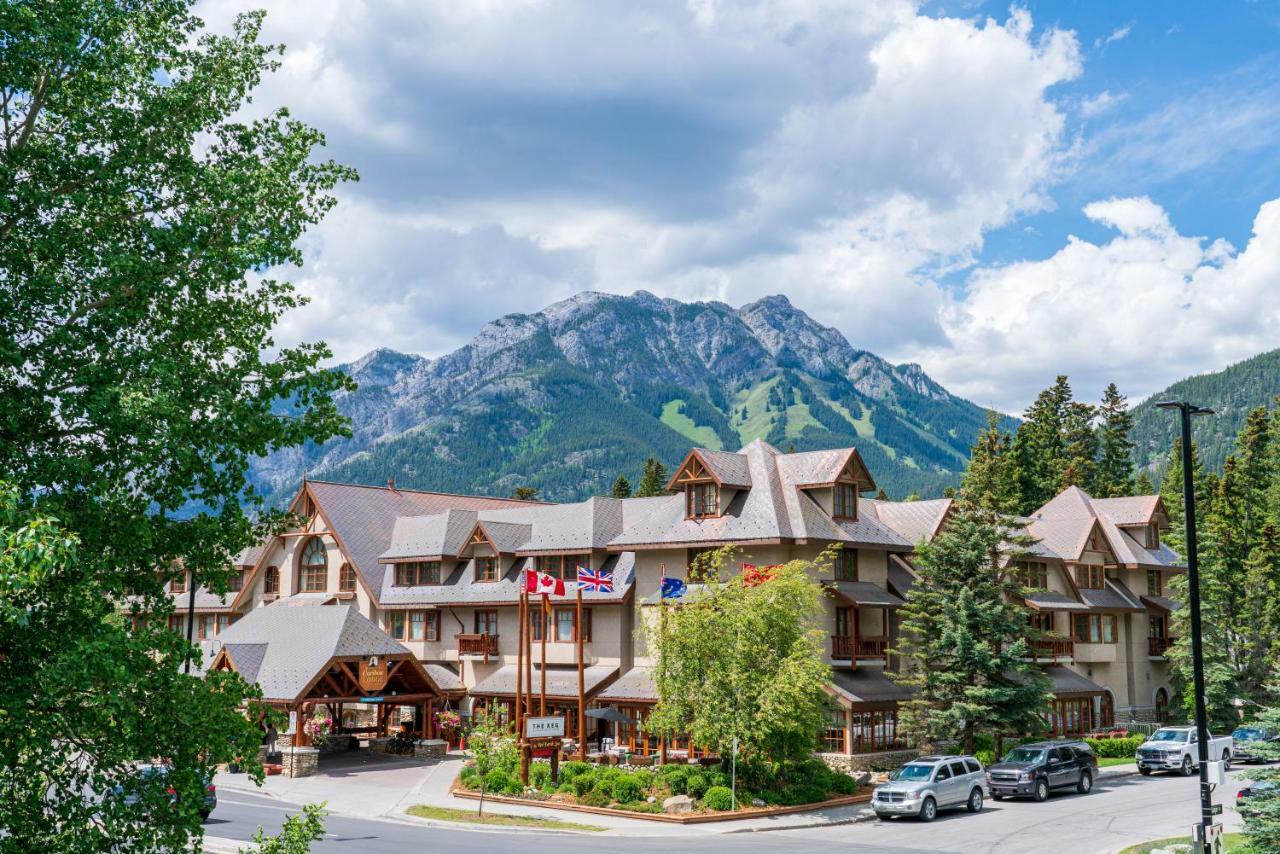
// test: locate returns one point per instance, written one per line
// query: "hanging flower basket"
(448, 720)
(318, 728)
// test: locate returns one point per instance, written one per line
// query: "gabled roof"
(206, 601)
(914, 521)
(814, 469)
(287, 649)
(1063, 525)
(724, 467)
(1130, 510)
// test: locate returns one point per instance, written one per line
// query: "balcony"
(482, 645)
(845, 648)
(1052, 648)
(1156, 647)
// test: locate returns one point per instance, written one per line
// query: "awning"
(1048, 600)
(864, 594)
(562, 682)
(609, 713)
(634, 686)
(1066, 682)
(1114, 597)
(1160, 603)
(853, 687)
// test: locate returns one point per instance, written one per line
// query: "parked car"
(1033, 770)
(144, 774)
(1266, 789)
(931, 783)
(1175, 748)
(1247, 739)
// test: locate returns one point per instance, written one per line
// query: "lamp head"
(1169, 404)
(1201, 410)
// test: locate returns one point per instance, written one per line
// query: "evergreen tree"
(965, 630)
(525, 493)
(882, 496)
(653, 480)
(1079, 463)
(1255, 461)
(1142, 485)
(991, 479)
(621, 487)
(1038, 446)
(1114, 475)
(1171, 494)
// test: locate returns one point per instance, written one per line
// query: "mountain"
(566, 399)
(1231, 393)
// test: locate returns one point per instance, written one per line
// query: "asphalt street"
(1119, 812)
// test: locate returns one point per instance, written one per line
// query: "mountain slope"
(569, 397)
(1231, 393)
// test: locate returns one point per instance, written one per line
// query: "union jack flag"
(598, 581)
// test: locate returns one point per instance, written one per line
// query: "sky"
(999, 193)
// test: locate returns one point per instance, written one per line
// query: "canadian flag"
(539, 582)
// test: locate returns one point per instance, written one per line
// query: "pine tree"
(965, 630)
(1142, 485)
(653, 481)
(882, 496)
(1256, 461)
(1078, 466)
(621, 487)
(525, 493)
(991, 479)
(1171, 494)
(1038, 446)
(1114, 475)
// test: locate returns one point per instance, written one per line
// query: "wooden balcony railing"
(485, 645)
(1053, 648)
(852, 649)
(1158, 646)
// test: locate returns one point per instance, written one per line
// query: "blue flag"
(672, 588)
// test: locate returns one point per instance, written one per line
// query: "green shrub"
(595, 798)
(842, 784)
(802, 794)
(629, 788)
(497, 780)
(716, 778)
(1114, 748)
(641, 806)
(513, 787)
(677, 779)
(697, 785)
(986, 757)
(718, 798)
(570, 770)
(539, 774)
(470, 777)
(565, 789)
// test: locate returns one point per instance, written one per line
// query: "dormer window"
(271, 581)
(486, 569)
(702, 500)
(179, 584)
(315, 567)
(845, 501)
(1153, 535)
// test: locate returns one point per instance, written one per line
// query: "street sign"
(551, 726)
(1216, 809)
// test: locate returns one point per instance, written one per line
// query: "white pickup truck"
(1175, 748)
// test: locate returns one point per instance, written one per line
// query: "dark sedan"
(130, 791)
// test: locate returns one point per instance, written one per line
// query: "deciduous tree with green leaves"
(737, 660)
(139, 213)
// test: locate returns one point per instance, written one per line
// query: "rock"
(756, 802)
(651, 799)
(678, 805)
(862, 778)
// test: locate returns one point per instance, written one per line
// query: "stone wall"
(884, 761)
(299, 761)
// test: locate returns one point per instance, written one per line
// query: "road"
(1119, 812)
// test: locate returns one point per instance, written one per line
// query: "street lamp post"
(1185, 411)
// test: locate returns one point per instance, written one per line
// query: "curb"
(219, 845)
(860, 817)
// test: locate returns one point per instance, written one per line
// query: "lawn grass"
(1235, 842)
(1114, 760)
(497, 819)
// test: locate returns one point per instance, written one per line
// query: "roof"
(635, 684)
(867, 686)
(1063, 525)
(562, 682)
(1048, 600)
(1160, 603)
(776, 507)
(1114, 596)
(728, 468)
(364, 517)
(459, 587)
(902, 576)
(864, 593)
(206, 601)
(445, 677)
(1063, 680)
(1130, 510)
(914, 521)
(250, 556)
(287, 648)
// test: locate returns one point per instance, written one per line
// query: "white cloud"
(1118, 34)
(1147, 307)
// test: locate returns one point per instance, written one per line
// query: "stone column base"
(299, 761)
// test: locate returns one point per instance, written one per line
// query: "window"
(417, 625)
(563, 566)
(972, 766)
(177, 623)
(486, 622)
(395, 624)
(564, 620)
(1155, 583)
(1156, 628)
(417, 573)
(537, 622)
(831, 739)
(1042, 621)
(845, 501)
(1089, 576)
(210, 625)
(179, 584)
(235, 582)
(1035, 575)
(486, 569)
(1153, 536)
(874, 732)
(703, 500)
(846, 568)
(315, 567)
(844, 622)
(433, 626)
(347, 579)
(271, 581)
(1094, 628)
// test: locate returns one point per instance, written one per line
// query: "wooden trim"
(705, 475)
(697, 544)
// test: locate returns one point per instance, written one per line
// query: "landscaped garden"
(644, 790)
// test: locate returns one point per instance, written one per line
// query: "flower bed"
(642, 791)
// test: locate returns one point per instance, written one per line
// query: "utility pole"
(1185, 411)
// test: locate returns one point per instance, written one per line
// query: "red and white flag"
(539, 582)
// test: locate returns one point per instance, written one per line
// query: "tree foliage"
(744, 661)
(653, 480)
(138, 376)
(621, 487)
(295, 836)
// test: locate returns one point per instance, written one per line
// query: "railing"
(1156, 647)
(847, 648)
(485, 645)
(1053, 648)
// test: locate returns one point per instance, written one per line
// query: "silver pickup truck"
(1175, 748)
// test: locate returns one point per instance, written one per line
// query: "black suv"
(1034, 769)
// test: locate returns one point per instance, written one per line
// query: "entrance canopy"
(318, 654)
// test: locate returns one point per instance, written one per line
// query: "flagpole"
(546, 628)
(662, 635)
(527, 640)
(520, 663)
(582, 712)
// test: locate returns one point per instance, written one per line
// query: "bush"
(1114, 748)
(513, 787)
(677, 779)
(470, 777)
(718, 798)
(582, 784)
(803, 794)
(717, 778)
(842, 784)
(986, 757)
(595, 798)
(641, 806)
(570, 770)
(629, 788)
(539, 775)
(497, 780)
(565, 789)
(697, 785)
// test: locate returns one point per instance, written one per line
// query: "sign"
(1216, 809)
(548, 727)
(373, 674)
(293, 722)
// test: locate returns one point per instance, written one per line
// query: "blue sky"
(1000, 193)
